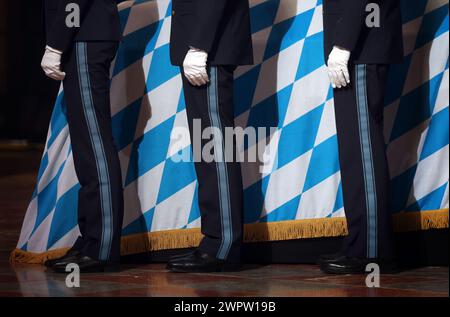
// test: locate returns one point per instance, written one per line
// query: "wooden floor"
(17, 177)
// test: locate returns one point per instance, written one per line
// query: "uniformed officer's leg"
(352, 173)
(374, 78)
(364, 170)
(220, 181)
(100, 198)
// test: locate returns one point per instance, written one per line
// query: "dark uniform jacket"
(345, 26)
(219, 27)
(99, 21)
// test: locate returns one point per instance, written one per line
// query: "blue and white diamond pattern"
(287, 89)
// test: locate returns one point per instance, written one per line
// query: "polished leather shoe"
(345, 265)
(71, 254)
(86, 265)
(181, 255)
(330, 257)
(200, 262)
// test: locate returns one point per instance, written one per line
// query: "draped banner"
(297, 195)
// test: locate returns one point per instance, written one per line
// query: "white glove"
(51, 64)
(194, 67)
(338, 67)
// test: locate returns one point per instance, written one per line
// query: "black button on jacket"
(345, 26)
(219, 27)
(99, 22)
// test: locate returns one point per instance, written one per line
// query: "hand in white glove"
(194, 67)
(51, 64)
(338, 67)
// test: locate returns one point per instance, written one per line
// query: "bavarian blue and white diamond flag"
(297, 195)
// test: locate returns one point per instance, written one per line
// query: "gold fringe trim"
(20, 256)
(162, 240)
(260, 232)
(296, 229)
(425, 220)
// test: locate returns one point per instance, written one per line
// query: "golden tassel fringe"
(259, 232)
(425, 220)
(20, 256)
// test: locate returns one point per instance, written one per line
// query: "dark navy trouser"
(100, 198)
(364, 169)
(219, 181)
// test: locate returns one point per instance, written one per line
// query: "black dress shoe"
(345, 265)
(330, 257)
(69, 255)
(86, 265)
(200, 262)
(181, 255)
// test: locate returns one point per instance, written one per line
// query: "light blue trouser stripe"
(368, 166)
(222, 172)
(98, 149)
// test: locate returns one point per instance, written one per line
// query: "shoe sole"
(51, 264)
(65, 258)
(335, 271)
(322, 262)
(179, 256)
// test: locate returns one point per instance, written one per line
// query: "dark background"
(26, 103)
(26, 95)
